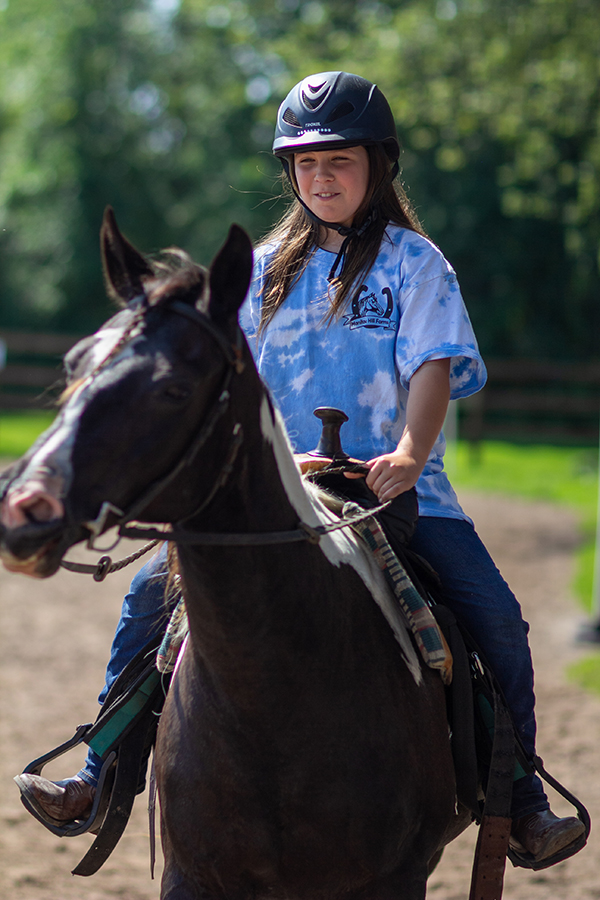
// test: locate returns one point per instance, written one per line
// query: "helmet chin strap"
(347, 231)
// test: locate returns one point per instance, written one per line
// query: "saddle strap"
(461, 712)
(490, 858)
(487, 879)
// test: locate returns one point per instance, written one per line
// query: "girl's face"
(333, 183)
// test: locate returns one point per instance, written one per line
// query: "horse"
(303, 751)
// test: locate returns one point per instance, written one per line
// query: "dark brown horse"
(303, 751)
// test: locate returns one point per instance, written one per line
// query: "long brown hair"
(298, 237)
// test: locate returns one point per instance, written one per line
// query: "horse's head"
(142, 395)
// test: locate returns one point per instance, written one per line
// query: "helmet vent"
(310, 103)
(290, 117)
(342, 109)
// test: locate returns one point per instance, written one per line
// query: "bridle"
(233, 356)
(232, 353)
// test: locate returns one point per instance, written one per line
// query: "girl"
(353, 307)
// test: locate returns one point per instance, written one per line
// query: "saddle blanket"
(417, 613)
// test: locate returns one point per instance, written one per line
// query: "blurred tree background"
(165, 109)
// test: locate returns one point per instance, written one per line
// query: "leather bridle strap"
(233, 355)
(303, 532)
(231, 352)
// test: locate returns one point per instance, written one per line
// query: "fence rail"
(33, 367)
(535, 401)
(529, 400)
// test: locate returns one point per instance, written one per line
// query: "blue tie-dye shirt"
(409, 309)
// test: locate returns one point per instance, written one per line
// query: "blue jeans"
(144, 614)
(473, 589)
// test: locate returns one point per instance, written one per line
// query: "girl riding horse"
(352, 306)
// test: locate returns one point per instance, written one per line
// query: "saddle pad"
(177, 629)
(430, 640)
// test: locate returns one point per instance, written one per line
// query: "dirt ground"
(54, 639)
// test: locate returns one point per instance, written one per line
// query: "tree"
(165, 109)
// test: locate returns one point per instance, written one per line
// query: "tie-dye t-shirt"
(409, 309)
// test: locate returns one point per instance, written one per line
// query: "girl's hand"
(428, 395)
(392, 474)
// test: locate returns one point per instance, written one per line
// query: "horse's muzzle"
(36, 548)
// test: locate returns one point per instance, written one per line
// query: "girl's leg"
(144, 612)
(478, 595)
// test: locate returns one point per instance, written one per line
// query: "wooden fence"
(33, 367)
(536, 402)
(524, 400)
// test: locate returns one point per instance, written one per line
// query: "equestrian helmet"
(334, 109)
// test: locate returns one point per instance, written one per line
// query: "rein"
(303, 532)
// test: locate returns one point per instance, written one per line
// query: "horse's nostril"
(41, 510)
(30, 505)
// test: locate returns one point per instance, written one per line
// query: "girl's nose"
(323, 171)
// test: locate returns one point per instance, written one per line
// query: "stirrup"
(74, 827)
(527, 860)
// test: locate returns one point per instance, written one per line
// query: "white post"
(591, 631)
(596, 581)
(451, 435)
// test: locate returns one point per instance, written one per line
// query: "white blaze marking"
(341, 546)
(59, 445)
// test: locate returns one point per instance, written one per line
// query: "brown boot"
(58, 801)
(542, 834)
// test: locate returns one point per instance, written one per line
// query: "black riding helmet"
(330, 110)
(333, 109)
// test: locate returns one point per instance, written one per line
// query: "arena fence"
(524, 400)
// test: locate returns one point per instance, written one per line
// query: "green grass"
(18, 430)
(563, 475)
(537, 472)
(586, 673)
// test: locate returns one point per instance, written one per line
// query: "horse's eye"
(177, 392)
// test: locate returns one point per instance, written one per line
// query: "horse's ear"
(124, 267)
(230, 275)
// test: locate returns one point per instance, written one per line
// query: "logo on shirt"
(371, 311)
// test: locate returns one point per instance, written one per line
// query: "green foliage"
(165, 109)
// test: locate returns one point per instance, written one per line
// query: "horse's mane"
(175, 276)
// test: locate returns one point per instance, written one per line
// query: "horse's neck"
(239, 596)
(264, 494)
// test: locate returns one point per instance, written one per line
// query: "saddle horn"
(330, 445)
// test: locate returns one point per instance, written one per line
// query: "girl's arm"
(428, 397)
